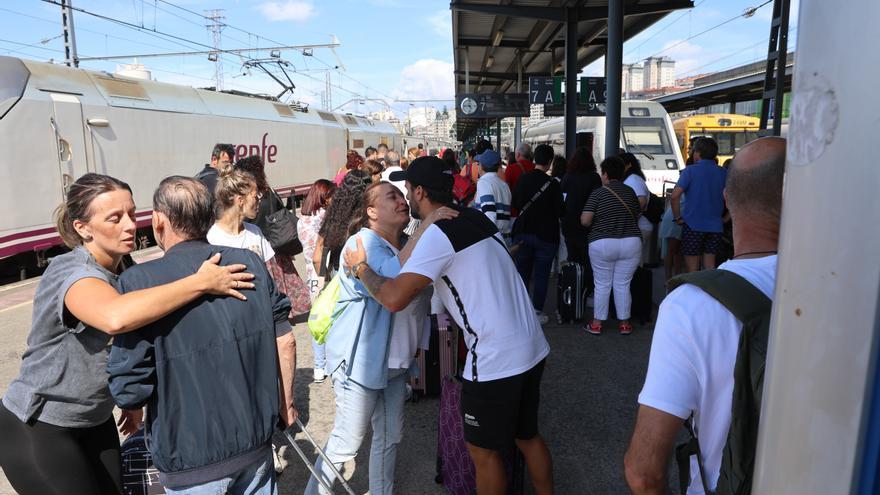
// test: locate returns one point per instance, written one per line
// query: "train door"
(69, 139)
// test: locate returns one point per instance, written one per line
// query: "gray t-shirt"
(63, 377)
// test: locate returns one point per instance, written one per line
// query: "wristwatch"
(356, 268)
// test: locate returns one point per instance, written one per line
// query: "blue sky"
(391, 49)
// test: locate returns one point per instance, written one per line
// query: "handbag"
(280, 229)
(323, 312)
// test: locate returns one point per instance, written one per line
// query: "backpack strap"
(735, 293)
(753, 308)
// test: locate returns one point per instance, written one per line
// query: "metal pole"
(613, 63)
(780, 69)
(467, 71)
(571, 70)
(517, 127)
(70, 56)
(732, 107)
(498, 136)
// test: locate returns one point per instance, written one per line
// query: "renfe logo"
(267, 153)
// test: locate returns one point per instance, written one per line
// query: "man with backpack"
(710, 342)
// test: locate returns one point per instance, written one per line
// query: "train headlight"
(671, 164)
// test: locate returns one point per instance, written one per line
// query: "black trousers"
(43, 459)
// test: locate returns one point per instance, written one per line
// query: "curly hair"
(347, 203)
(353, 160)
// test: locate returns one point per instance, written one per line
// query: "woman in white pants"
(615, 241)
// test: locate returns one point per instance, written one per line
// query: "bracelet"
(356, 268)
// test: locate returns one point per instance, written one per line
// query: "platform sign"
(492, 105)
(593, 92)
(545, 90)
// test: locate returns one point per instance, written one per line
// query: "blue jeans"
(535, 254)
(320, 355)
(358, 407)
(255, 479)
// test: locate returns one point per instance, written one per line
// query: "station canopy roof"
(492, 34)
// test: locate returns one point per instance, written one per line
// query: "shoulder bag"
(280, 228)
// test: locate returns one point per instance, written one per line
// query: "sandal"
(625, 329)
(593, 328)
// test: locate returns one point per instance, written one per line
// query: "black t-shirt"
(577, 188)
(541, 218)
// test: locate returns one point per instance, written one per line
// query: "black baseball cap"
(426, 171)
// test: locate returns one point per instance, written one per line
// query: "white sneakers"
(542, 318)
(319, 375)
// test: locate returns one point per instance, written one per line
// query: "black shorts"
(496, 412)
(695, 243)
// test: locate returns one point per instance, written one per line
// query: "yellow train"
(730, 131)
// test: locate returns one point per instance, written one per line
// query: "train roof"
(120, 91)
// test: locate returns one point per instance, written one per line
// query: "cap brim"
(397, 175)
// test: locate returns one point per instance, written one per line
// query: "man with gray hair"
(517, 169)
(697, 335)
(208, 372)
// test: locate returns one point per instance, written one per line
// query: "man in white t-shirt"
(493, 195)
(506, 345)
(695, 337)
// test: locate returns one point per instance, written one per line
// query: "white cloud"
(426, 79)
(290, 10)
(441, 22)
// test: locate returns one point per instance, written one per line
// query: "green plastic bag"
(323, 312)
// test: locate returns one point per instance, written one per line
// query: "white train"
(58, 123)
(645, 130)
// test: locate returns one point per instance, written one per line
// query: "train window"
(122, 88)
(639, 112)
(328, 117)
(357, 143)
(283, 110)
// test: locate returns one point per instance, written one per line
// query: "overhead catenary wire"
(744, 15)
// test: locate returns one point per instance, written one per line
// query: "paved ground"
(588, 406)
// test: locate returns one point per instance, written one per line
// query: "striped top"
(493, 199)
(611, 219)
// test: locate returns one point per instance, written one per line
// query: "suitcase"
(570, 293)
(642, 291)
(439, 360)
(302, 455)
(455, 470)
(139, 476)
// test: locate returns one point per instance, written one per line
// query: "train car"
(730, 131)
(58, 123)
(645, 130)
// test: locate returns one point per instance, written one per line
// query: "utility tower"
(215, 25)
(70, 56)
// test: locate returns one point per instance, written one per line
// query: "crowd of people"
(201, 338)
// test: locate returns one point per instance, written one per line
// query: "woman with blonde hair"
(56, 417)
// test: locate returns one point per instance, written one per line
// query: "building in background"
(633, 78)
(659, 72)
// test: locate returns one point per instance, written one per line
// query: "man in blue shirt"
(701, 221)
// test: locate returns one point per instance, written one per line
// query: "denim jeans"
(320, 355)
(358, 407)
(535, 254)
(255, 479)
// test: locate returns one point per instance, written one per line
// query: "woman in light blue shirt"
(360, 340)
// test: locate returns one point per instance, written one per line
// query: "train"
(645, 130)
(58, 123)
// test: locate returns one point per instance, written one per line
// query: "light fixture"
(212, 56)
(489, 61)
(275, 54)
(497, 39)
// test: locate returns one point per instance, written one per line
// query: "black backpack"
(750, 306)
(654, 208)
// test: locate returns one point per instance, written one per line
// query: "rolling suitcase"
(439, 360)
(455, 470)
(570, 293)
(139, 476)
(323, 482)
(642, 291)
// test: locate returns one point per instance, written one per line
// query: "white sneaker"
(276, 457)
(319, 375)
(542, 318)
